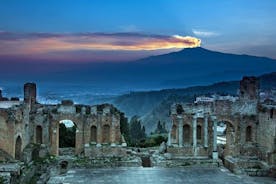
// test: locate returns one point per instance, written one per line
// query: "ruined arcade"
(192, 140)
(28, 122)
(250, 129)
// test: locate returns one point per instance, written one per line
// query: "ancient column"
(113, 132)
(205, 131)
(180, 131)
(170, 135)
(215, 153)
(55, 139)
(99, 131)
(194, 131)
(169, 138)
(79, 141)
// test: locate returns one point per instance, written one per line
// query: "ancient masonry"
(250, 134)
(250, 128)
(25, 122)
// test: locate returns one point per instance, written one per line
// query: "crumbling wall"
(6, 134)
(249, 88)
(266, 135)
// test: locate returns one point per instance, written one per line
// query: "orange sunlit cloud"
(41, 43)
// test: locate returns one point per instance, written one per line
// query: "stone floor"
(156, 175)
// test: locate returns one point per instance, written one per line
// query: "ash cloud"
(46, 43)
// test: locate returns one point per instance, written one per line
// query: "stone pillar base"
(215, 155)
(113, 144)
(195, 149)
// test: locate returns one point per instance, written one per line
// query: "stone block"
(215, 155)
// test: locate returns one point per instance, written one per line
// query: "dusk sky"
(109, 30)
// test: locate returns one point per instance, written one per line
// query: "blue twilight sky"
(54, 28)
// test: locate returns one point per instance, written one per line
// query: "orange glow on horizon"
(69, 43)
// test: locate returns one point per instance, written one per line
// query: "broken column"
(194, 134)
(215, 152)
(169, 138)
(205, 131)
(180, 131)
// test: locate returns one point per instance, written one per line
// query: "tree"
(137, 132)
(143, 132)
(161, 128)
(124, 127)
(66, 136)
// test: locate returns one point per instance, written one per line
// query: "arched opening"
(93, 134)
(106, 134)
(174, 129)
(225, 139)
(221, 132)
(198, 132)
(186, 134)
(38, 133)
(248, 134)
(18, 147)
(67, 134)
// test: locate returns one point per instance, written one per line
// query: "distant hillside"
(155, 105)
(139, 103)
(188, 67)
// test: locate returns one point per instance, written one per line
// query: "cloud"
(201, 33)
(43, 43)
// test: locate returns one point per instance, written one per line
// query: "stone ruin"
(250, 130)
(29, 131)
(28, 121)
(26, 124)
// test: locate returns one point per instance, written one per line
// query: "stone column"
(215, 153)
(194, 135)
(169, 138)
(99, 131)
(180, 131)
(113, 132)
(79, 142)
(194, 131)
(206, 131)
(55, 140)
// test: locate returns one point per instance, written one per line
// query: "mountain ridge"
(187, 67)
(154, 106)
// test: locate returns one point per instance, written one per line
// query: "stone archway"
(229, 133)
(106, 134)
(198, 132)
(186, 134)
(93, 134)
(67, 134)
(173, 133)
(18, 148)
(248, 134)
(55, 123)
(38, 133)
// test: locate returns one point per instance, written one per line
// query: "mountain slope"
(153, 106)
(188, 67)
